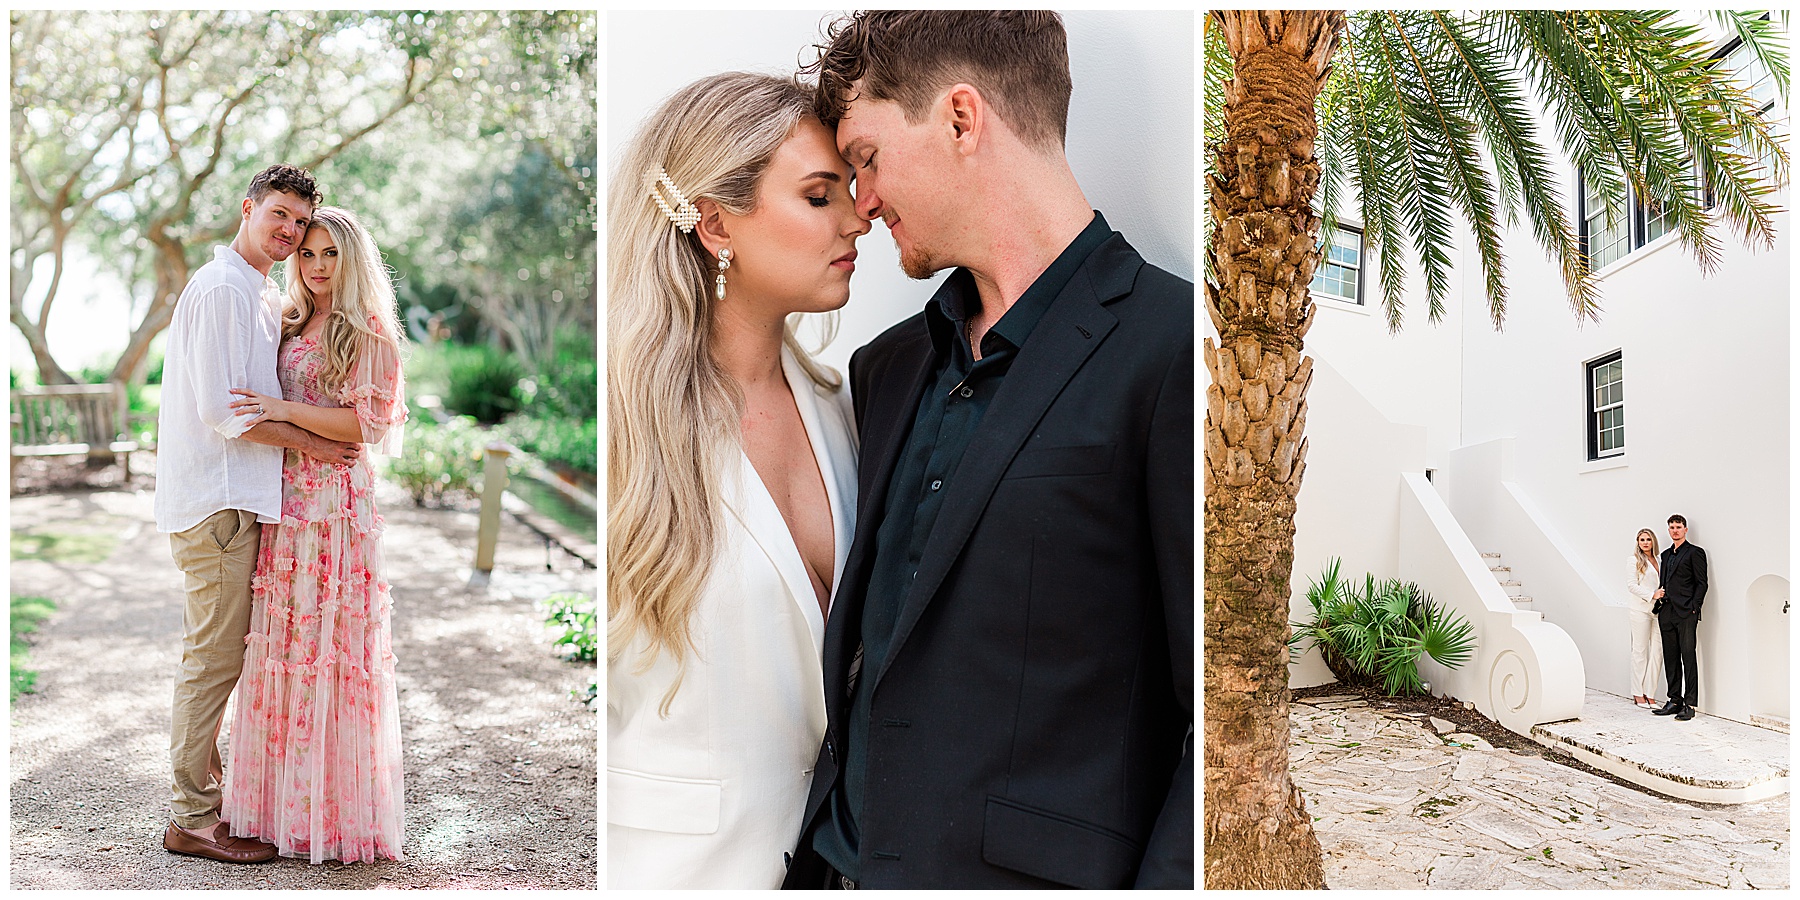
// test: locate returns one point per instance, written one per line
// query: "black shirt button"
(968, 392)
(936, 484)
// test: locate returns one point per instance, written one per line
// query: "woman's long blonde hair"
(360, 290)
(671, 411)
(1638, 552)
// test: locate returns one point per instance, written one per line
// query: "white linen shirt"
(225, 334)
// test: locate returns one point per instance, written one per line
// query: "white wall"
(1412, 376)
(1707, 424)
(1130, 143)
(1349, 504)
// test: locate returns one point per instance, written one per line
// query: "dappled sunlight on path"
(500, 759)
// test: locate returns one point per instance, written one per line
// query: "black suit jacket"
(1683, 581)
(1032, 723)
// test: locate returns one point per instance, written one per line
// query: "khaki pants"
(218, 556)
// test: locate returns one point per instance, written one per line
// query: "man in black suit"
(1009, 660)
(1678, 616)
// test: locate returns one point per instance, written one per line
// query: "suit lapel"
(750, 501)
(1068, 334)
(889, 420)
(821, 437)
(892, 386)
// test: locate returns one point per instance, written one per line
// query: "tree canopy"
(135, 133)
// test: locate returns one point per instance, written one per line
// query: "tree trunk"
(1263, 249)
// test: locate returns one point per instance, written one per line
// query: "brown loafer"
(230, 849)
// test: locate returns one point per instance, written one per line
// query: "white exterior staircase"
(1515, 591)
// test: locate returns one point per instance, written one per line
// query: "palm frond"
(1372, 174)
(1478, 73)
(1445, 634)
(1429, 116)
(1419, 161)
(1756, 28)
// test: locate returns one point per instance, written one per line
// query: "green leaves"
(1431, 117)
(1378, 632)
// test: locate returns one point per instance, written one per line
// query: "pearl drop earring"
(724, 263)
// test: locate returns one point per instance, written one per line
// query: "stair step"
(1512, 588)
(1490, 556)
(1501, 572)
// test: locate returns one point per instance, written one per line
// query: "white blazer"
(712, 796)
(1641, 586)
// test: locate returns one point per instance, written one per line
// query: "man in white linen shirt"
(217, 481)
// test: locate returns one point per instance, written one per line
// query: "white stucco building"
(1551, 443)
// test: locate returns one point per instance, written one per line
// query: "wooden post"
(493, 484)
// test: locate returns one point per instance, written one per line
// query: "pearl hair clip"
(683, 213)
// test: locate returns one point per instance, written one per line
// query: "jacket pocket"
(1056, 847)
(1093, 459)
(662, 802)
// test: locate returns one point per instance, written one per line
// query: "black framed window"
(1605, 233)
(1606, 406)
(1607, 237)
(1756, 80)
(1339, 275)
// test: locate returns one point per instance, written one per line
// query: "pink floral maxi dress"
(315, 742)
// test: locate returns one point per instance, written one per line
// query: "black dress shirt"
(955, 399)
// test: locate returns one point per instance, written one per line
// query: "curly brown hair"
(287, 179)
(1018, 59)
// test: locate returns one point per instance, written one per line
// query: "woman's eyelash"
(819, 201)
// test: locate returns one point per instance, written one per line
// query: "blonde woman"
(731, 475)
(1646, 639)
(316, 736)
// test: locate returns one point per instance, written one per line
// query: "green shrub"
(571, 387)
(428, 368)
(575, 615)
(439, 459)
(484, 383)
(1375, 635)
(572, 443)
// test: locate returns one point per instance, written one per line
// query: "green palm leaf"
(1425, 117)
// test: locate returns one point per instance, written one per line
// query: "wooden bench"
(72, 420)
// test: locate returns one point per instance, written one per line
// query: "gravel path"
(500, 759)
(1396, 806)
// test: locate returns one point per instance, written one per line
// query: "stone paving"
(1707, 758)
(1396, 804)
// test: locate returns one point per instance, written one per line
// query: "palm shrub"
(1375, 635)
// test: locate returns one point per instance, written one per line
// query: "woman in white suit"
(1646, 639)
(731, 479)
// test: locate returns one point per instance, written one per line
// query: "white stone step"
(1513, 588)
(1707, 759)
(1521, 602)
(1778, 723)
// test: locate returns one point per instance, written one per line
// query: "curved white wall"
(1131, 125)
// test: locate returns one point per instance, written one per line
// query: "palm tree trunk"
(1263, 250)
